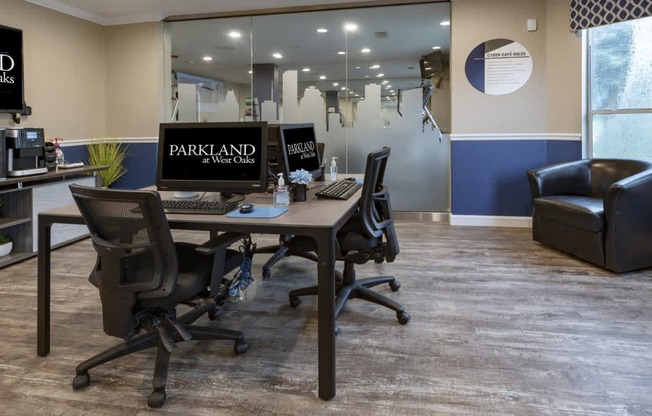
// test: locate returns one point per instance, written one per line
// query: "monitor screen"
(11, 70)
(299, 150)
(212, 157)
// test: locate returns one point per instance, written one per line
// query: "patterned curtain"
(589, 13)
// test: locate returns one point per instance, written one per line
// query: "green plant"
(107, 153)
(4, 239)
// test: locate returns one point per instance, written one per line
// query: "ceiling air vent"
(379, 35)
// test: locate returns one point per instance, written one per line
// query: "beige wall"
(135, 78)
(564, 71)
(64, 71)
(550, 101)
(87, 81)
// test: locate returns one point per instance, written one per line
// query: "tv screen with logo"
(212, 157)
(299, 149)
(11, 70)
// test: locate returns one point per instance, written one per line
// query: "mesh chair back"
(136, 253)
(375, 206)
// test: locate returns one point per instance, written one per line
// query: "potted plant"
(5, 245)
(107, 153)
(300, 178)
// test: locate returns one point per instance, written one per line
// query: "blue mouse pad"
(260, 211)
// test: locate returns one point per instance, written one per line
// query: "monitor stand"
(185, 194)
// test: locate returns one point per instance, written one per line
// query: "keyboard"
(342, 189)
(181, 206)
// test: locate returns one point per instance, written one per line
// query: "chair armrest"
(628, 215)
(220, 241)
(568, 178)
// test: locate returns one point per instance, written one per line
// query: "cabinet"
(25, 197)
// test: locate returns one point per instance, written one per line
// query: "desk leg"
(326, 314)
(43, 289)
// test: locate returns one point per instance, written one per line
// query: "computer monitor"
(11, 70)
(299, 149)
(212, 157)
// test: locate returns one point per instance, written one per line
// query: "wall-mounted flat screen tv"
(11, 70)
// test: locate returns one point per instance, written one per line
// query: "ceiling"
(397, 37)
(115, 12)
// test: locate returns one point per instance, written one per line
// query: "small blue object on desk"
(260, 211)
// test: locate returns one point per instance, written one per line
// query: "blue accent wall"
(140, 163)
(488, 177)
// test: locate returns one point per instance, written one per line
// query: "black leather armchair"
(368, 236)
(143, 277)
(599, 210)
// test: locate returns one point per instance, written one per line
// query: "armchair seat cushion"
(582, 212)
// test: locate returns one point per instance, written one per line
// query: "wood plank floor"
(500, 326)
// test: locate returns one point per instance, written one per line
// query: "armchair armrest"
(218, 242)
(568, 178)
(628, 213)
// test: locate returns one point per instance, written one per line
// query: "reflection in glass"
(355, 74)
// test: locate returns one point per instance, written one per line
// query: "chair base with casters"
(351, 288)
(163, 332)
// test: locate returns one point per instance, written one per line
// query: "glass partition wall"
(366, 78)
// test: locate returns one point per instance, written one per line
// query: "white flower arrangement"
(300, 177)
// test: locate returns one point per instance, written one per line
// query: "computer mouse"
(246, 208)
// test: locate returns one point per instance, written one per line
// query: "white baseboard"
(491, 221)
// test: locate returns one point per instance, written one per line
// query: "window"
(620, 90)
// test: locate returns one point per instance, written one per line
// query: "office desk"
(316, 218)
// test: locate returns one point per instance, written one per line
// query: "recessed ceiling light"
(445, 23)
(385, 82)
(365, 50)
(350, 27)
(306, 70)
(207, 58)
(234, 34)
(322, 30)
(277, 55)
(380, 75)
(341, 53)
(375, 66)
(335, 84)
(357, 67)
(322, 77)
(436, 47)
(343, 88)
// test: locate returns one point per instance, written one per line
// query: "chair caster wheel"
(212, 315)
(395, 285)
(80, 381)
(157, 399)
(295, 301)
(403, 317)
(338, 329)
(240, 347)
(267, 273)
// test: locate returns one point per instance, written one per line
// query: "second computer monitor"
(299, 149)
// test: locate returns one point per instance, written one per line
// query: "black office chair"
(283, 250)
(143, 275)
(368, 236)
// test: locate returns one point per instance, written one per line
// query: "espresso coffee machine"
(24, 150)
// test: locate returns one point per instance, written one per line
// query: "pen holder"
(299, 192)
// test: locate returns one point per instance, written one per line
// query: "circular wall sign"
(498, 66)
